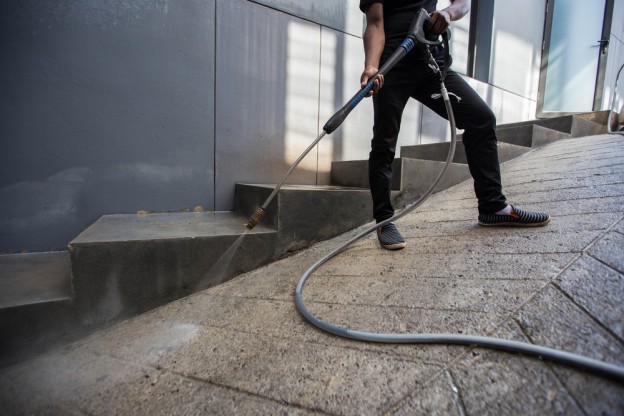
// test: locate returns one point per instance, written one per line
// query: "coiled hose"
(585, 363)
(416, 34)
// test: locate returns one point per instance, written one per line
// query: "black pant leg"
(479, 123)
(388, 104)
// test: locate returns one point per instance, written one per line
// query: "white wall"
(224, 91)
(615, 60)
(517, 35)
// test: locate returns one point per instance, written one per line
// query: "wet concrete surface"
(242, 347)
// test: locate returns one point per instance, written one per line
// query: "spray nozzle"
(255, 218)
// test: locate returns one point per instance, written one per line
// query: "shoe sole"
(396, 246)
(515, 224)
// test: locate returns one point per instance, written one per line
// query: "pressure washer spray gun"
(416, 34)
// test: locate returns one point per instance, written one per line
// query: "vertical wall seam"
(214, 113)
(318, 102)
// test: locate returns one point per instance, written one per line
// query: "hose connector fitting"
(255, 218)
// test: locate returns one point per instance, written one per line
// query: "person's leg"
(388, 105)
(479, 124)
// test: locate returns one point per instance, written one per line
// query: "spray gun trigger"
(438, 95)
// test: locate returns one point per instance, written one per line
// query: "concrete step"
(35, 303)
(529, 135)
(126, 264)
(412, 177)
(574, 125)
(303, 214)
(513, 141)
(28, 278)
(121, 265)
(439, 152)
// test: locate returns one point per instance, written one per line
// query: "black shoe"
(390, 238)
(517, 218)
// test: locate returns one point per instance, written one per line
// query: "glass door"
(571, 57)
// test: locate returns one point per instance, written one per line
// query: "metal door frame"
(602, 59)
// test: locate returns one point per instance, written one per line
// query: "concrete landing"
(242, 347)
(34, 278)
(158, 226)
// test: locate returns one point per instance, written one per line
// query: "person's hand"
(366, 76)
(439, 22)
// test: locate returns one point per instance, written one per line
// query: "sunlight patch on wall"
(302, 74)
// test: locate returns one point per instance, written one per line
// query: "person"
(387, 25)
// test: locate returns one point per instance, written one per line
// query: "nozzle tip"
(255, 218)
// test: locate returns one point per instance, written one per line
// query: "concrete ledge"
(418, 175)
(28, 278)
(529, 135)
(127, 264)
(354, 173)
(439, 152)
(30, 329)
(411, 176)
(574, 125)
(304, 214)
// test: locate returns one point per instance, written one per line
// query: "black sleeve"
(365, 3)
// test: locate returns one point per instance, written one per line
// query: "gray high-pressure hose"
(585, 363)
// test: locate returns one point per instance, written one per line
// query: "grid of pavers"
(242, 348)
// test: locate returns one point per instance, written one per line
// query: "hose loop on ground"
(585, 363)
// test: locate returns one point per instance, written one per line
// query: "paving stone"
(610, 250)
(327, 378)
(585, 206)
(572, 223)
(496, 240)
(597, 288)
(525, 175)
(479, 295)
(500, 383)
(100, 385)
(168, 394)
(552, 320)
(364, 318)
(468, 266)
(148, 339)
(562, 192)
(565, 179)
(17, 399)
(437, 398)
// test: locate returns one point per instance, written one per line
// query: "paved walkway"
(242, 348)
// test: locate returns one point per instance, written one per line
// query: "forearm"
(374, 41)
(457, 9)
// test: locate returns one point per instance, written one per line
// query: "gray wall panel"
(112, 107)
(107, 107)
(342, 58)
(267, 96)
(342, 62)
(342, 15)
(518, 31)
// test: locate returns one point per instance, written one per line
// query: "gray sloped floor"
(242, 348)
